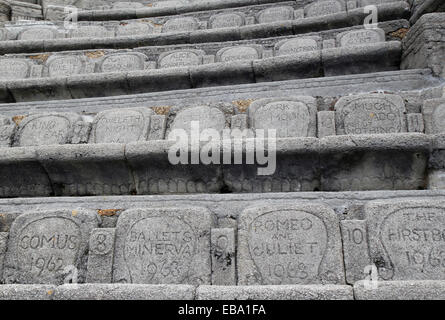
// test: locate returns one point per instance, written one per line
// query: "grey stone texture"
(50, 129)
(297, 244)
(324, 7)
(44, 247)
(421, 7)
(163, 246)
(121, 126)
(302, 164)
(360, 37)
(3, 246)
(433, 112)
(187, 66)
(275, 292)
(94, 204)
(223, 253)
(290, 116)
(388, 12)
(405, 239)
(123, 292)
(400, 290)
(414, 85)
(355, 249)
(326, 124)
(370, 114)
(100, 255)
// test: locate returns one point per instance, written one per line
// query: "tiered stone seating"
(344, 199)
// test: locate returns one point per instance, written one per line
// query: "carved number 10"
(355, 235)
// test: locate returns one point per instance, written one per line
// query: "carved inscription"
(408, 242)
(3, 34)
(324, 7)
(170, 246)
(287, 246)
(101, 241)
(288, 118)
(237, 53)
(159, 249)
(179, 59)
(134, 28)
(45, 130)
(44, 254)
(127, 5)
(121, 126)
(180, 25)
(371, 115)
(226, 20)
(44, 246)
(298, 45)
(359, 37)
(276, 14)
(122, 62)
(14, 69)
(7, 129)
(65, 66)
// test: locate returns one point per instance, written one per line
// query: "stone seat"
(378, 57)
(388, 12)
(144, 168)
(388, 290)
(413, 85)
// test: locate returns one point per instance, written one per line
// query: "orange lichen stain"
(108, 212)
(152, 22)
(372, 115)
(95, 54)
(18, 119)
(74, 213)
(41, 57)
(243, 105)
(162, 110)
(400, 33)
(50, 292)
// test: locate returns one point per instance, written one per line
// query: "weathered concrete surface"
(406, 82)
(298, 244)
(424, 44)
(223, 254)
(387, 12)
(400, 290)
(420, 8)
(46, 247)
(163, 246)
(124, 292)
(225, 207)
(275, 292)
(333, 163)
(26, 292)
(405, 239)
(374, 57)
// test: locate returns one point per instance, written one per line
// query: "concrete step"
(104, 38)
